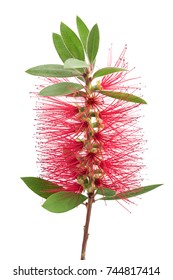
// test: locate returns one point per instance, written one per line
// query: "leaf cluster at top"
(78, 53)
(69, 45)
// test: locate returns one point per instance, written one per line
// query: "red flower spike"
(92, 135)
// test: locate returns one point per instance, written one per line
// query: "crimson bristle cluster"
(90, 140)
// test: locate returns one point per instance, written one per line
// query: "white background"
(30, 236)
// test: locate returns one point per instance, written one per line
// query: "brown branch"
(86, 227)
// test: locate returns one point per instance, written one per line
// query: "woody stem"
(86, 227)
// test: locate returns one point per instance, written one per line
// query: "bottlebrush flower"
(104, 147)
(88, 138)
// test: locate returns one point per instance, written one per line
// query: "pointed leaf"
(106, 192)
(75, 63)
(72, 42)
(124, 96)
(131, 193)
(83, 31)
(52, 70)
(60, 47)
(93, 43)
(107, 71)
(63, 201)
(61, 89)
(40, 186)
(138, 191)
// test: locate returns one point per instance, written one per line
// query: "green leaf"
(105, 192)
(83, 31)
(60, 47)
(61, 89)
(40, 186)
(93, 43)
(72, 42)
(52, 70)
(107, 71)
(131, 193)
(63, 201)
(124, 96)
(75, 63)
